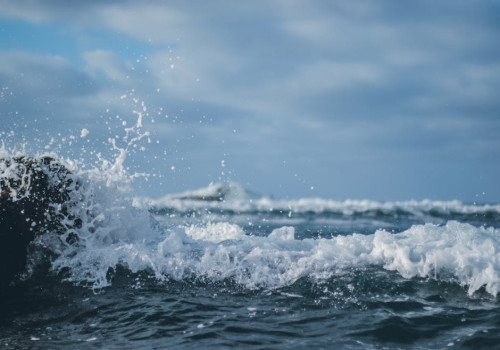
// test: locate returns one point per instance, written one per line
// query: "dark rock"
(34, 200)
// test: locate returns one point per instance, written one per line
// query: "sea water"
(222, 267)
(262, 273)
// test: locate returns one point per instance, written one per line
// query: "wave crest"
(455, 252)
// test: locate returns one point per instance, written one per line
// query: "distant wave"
(234, 198)
(213, 192)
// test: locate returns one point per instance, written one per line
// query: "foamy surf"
(455, 252)
(233, 197)
(114, 233)
(221, 264)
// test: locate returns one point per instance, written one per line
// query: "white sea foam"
(459, 252)
(215, 232)
(114, 232)
(237, 199)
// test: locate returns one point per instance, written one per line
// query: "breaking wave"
(233, 197)
(455, 252)
(114, 232)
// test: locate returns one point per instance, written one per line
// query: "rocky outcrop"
(34, 200)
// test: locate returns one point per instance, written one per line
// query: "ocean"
(223, 267)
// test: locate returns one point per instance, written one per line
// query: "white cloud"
(154, 22)
(325, 76)
(352, 79)
(108, 64)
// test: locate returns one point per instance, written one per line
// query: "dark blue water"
(231, 276)
(364, 308)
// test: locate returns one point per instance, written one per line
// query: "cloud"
(37, 72)
(105, 63)
(311, 83)
(43, 85)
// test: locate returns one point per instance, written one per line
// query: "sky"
(382, 100)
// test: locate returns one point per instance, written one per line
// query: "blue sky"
(385, 100)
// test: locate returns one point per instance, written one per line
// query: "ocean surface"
(221, 267)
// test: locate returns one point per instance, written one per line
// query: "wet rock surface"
(34, 200)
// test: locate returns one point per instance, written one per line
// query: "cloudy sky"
(384, 100)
